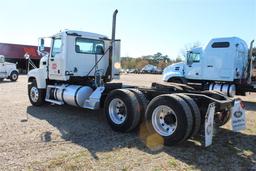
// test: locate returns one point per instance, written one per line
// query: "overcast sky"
(144, 26)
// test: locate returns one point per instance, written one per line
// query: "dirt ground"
(66, 138)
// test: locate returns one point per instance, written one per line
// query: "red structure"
(15, 53)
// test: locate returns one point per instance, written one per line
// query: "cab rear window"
(89, 46)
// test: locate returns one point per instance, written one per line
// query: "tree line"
(158, 59)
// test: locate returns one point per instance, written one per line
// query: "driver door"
(56, 60)
(193, 69)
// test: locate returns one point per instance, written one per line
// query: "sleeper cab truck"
(225, 64)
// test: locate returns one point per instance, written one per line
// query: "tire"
(125, 101)
(143, 101)
(195, 113)
(183, 118)
(221, 118)
(14, 76)
(1, 79)
(36, 100)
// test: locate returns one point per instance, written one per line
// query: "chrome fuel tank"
(74, 95)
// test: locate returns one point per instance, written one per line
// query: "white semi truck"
(225, 64)
(8, 70)
(78, 71)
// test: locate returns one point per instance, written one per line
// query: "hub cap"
(164, 120)
(34, 94)
(117, 111)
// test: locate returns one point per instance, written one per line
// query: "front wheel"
(36, 95)
(14, 76)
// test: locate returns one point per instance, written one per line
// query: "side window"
(220, 45)
(56, 48)
(89, 46)
(196, 57)
(193, 57)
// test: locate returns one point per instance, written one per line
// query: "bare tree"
(188, 47)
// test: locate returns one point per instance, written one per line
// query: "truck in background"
(227, 65)
(8, 70)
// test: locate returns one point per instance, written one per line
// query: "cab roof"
(83, 34)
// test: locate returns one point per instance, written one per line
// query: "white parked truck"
(225, 64)
(78, 71)
(8, 70)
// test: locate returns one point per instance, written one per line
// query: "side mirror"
(41, 45)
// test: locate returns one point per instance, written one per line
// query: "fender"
(174, 70)
(40, 75)
(171, 74)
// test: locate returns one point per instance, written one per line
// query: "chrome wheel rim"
(34, 94)
(164, 120)
(117, 111)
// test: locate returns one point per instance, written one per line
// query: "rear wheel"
(1, 79)
(143, 101)
(122, 110)
(36, 95)
(170, 117)
(195, 112)
(14, 76)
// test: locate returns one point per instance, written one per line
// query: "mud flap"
(208, 126)
(238, 119)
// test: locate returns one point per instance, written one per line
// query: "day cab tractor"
(79, 69)
(8, 70)
(226, 65)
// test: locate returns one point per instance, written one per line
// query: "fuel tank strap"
(76, 95)
(62, 94)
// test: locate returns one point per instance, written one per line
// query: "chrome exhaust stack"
(114, 26)
(109, 70)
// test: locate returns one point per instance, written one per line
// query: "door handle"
(52, 59)
(209, 66)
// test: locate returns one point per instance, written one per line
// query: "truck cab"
(8, 70)
(223, 59)
(76, 55)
